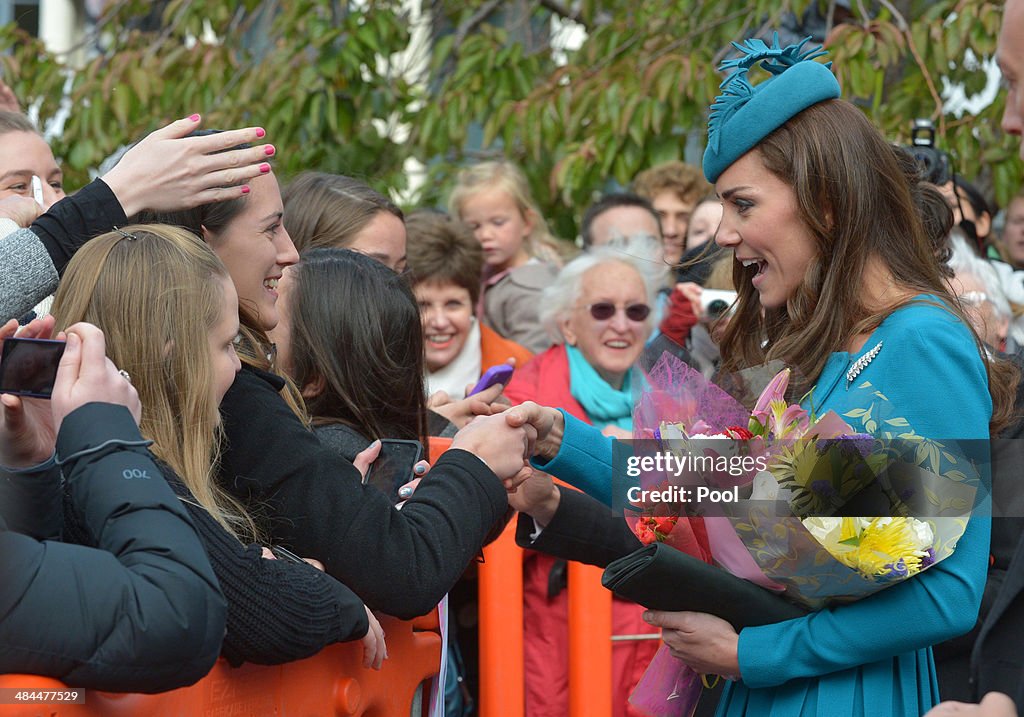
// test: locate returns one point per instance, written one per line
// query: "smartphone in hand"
(393, 467)
(502, 373)
(28, 367)
(286, 555)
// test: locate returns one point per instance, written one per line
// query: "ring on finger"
(125, 375)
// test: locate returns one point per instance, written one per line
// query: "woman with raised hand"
(309, 498)
(836, 277)
(166, 171)
(142, 612)
(598, 312)
(170, 315)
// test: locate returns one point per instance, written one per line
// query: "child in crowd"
(520, 259)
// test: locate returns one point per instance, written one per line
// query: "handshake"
(507, 440)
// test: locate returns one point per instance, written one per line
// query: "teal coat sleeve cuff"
(584, 459)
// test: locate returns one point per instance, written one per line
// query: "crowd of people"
(236, 355)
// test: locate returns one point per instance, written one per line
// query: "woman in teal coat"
(835, 245)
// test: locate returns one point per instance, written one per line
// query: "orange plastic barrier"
(436, 446)
(501, 635)
(329, 684)
(500, 584)
(590, 643)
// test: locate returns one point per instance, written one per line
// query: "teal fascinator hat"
(743, 115)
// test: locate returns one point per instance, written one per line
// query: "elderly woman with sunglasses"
(598, 311)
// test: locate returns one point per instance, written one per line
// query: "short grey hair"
(641, 253)
(965, 261)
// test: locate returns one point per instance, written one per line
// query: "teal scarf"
(604, 405)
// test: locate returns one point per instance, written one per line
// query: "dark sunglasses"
(604, 310)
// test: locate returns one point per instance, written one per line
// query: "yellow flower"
(875, 547)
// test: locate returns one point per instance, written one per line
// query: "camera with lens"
(932, 162)
(716, 303)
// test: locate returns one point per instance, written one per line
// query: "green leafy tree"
(640, 84)
(315, 74)
(326, 79)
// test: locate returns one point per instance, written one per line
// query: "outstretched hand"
(169, 170)
(503, 447)
(537, 496)
(461, 411)
(549, 424)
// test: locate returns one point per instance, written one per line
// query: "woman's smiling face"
(761, 223)
(611, 345)
(255, 248)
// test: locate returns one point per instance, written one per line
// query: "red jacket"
(545, 380)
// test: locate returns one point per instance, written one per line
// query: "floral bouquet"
(788, 518)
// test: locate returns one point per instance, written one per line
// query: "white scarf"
(464, 368)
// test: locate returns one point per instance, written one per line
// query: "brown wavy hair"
(328, 210)
(255, 349)
(856, 196)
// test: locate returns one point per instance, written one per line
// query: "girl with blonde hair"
(169, 312)
(521, 257)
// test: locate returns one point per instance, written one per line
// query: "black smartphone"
(28, 367)
(393, 467)
(286, 555)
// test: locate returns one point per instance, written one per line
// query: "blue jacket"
(870, 658)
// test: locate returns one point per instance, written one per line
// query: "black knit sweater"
(278, 611)
(400, 562)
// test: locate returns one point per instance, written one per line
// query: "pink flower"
(787, 421)
(774, 391)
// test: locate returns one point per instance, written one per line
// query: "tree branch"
(676, 44)
(904, 27)
(471, 22)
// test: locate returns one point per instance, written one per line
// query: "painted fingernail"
(245, 189)
(420, 469)
(269, 150)
(194, 118)
(404, 492)
(264, 168)
(260, 132)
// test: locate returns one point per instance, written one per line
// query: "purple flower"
(928, 559)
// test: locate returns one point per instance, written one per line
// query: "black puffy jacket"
(142, 612)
